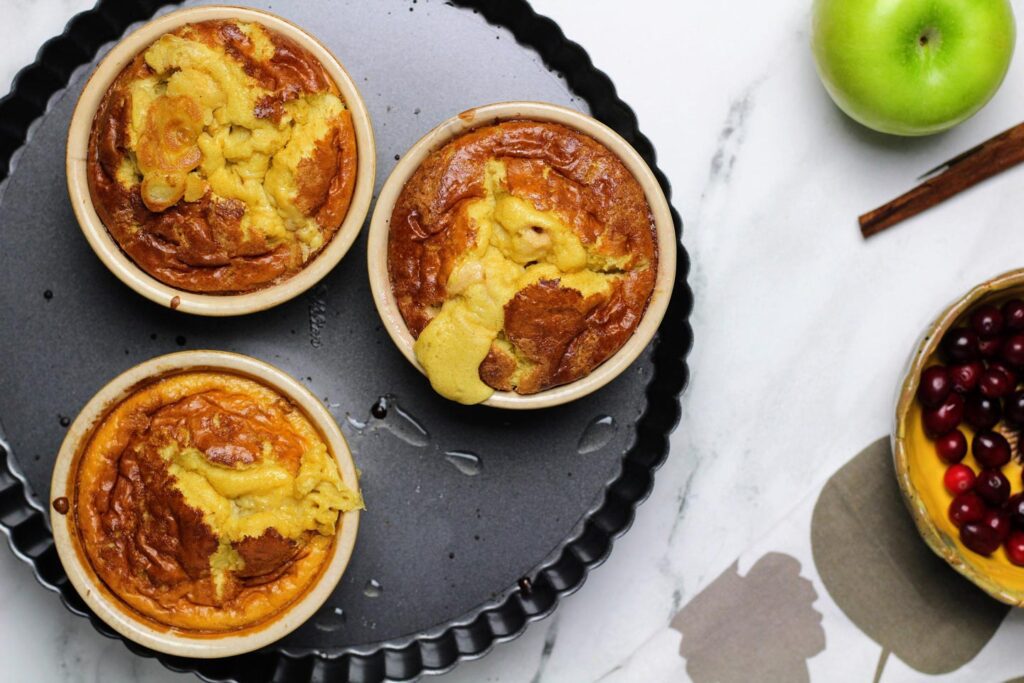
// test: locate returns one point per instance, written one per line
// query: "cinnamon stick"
(959, 173)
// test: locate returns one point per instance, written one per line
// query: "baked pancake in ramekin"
(220, 160)
(522, 253)
(208, 503)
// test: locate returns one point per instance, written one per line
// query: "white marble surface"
(801, 327)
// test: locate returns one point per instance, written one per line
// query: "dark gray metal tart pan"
(478, 520)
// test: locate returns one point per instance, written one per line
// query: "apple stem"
(929, 36)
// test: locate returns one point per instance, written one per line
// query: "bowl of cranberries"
(957, 442)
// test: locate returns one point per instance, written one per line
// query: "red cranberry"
(981, 412)
(995, 382)
(958, 478)
(1014, 409)
(990, 449)
(951, 447)
(1013, 314)
(989, 348)
(965, 376)
(960, 344)
(946, 417)
(1015, 547)
(1015, 508)
(998, 521)
(979, 538)
(993, 487)
(934, 387)
(1013, 350)
(966, 508)
(1004, 368)
(987, 321)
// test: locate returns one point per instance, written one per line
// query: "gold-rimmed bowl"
(919, 470)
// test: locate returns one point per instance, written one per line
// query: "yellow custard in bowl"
(921, 471)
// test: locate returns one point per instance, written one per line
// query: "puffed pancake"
(521, 255)
(207, 502)
(222, 159)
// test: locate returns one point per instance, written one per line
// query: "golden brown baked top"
(522, 256)
(222, 158)
(207, 502)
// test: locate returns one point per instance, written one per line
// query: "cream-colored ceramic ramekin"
(120, 263)
(380, 282)
(919, 470)
(116, 613)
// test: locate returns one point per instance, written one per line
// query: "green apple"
(912, 67)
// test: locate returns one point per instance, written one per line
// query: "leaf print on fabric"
(758, 627)
(879, 571)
